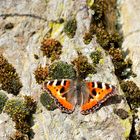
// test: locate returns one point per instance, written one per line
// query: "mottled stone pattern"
(129, 18)
(24, 24)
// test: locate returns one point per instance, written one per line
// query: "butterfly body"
(69, 93)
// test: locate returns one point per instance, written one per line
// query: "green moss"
(98, 7)
(41, 74)
(21, 113)
(116, 39)
(3, 99)
(9, 79)
(119, 68)
(104, 38)
(102, 35)
(47, 101)
(117, 54)
(101, 25)
(51, 48)
(83, 67)
(87, 37)
(30, 103)
(132, 93)
(60, 70)
(118, 61)
(122, 67)
(70, 27)
(96, 57)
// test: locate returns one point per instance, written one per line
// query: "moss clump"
(60, 70)
(116, 39)
(122, 67)
(70, 27)
(21, 113)
(132, 93)
(18, 136)
(99, 7)
(41, 74)
(9, 79)
(47, 101)
(30, 103)
(105, 38)
(51, 48)
(3, 99)
(96, 57)
(103, 24)
(83, 67)
(87, 37)
(117, 54)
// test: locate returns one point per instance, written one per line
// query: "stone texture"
(6, 127)
(129, 18)
(32, 20)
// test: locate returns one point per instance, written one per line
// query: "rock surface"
(129, 15)
(6, 127)
(32, 20)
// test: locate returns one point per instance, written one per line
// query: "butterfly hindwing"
(62, 93)
(97, 93)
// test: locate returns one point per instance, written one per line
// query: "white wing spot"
(95, 85)
(103, 85)
(48, 83)
(62, 82)
(110, 86)
(54, 83)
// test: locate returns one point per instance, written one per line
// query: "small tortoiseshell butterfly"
(68, 93)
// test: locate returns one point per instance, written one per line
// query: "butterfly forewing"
(97, 93)
(63, 93)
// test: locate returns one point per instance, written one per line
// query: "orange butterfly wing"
(61, 91)
(96, 93)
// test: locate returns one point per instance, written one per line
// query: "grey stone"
(32, 20)
(129, 18)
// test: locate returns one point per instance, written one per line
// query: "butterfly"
(68, 93)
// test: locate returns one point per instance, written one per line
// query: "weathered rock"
(129, 18)
(6, 127)
(32, 20)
